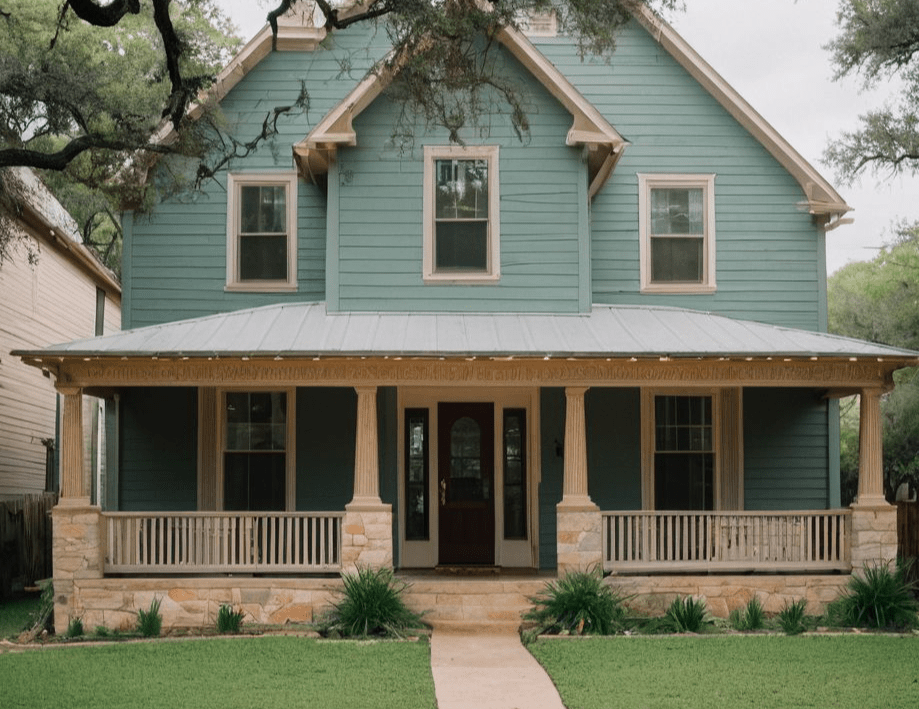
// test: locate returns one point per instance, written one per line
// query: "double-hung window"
(262, 232)
(677, 230)
(461, 216)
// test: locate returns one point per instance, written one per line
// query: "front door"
(465, 483)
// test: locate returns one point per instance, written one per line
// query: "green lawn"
(734, 671)
(224, 672)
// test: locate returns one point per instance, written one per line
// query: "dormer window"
(461, 219)
(539, 24)
(261, 232)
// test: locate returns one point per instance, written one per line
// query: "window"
(681, 437)
(461, 216)
(262, 233)
(255, 459)
(677, 227)
(416, 474)
(535, 23)
(515, 474)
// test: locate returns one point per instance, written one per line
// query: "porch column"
(578, 518)
(74, 476)
(77, 539)
(874, 520)
(367, 527)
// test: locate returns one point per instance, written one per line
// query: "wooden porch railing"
(726, 541)
(222, 542)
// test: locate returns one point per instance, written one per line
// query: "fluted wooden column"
(574, 486)
(74, 478)
(870, 450)
(366, 455)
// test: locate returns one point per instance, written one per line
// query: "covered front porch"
(112, 557)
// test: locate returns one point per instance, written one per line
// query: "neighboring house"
(66, 294)
(601, 345)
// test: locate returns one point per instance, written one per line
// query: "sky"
(772, 52)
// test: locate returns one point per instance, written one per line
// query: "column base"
(367, 536)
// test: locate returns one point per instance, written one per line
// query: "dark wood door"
(465, 483)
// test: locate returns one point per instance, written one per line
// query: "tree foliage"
(878, 301)
(84, 84)
(879, 40)
(82, 89)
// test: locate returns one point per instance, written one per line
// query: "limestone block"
(179, 595)
(296, 613)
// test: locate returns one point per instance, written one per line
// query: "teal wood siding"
(768, 252)
(379, 206)
(552, 436)
(785, 450)
(326, 429)
(159, 450)
(176, 255)
(614, 447)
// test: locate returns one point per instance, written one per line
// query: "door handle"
(443, 492)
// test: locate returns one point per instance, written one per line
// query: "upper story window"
(262, 232)
(677, 228)
(539, 24)
(461, 216)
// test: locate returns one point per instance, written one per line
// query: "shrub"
(228, 620)
(150, 622)
(580, 603)
(877, 598)
(371, 604)
(752, 617)
(74, 628)
(686, 615)
(791, 617)
(103, 632)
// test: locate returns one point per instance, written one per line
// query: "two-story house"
(601, 345)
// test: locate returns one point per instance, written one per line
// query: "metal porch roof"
(307, 330)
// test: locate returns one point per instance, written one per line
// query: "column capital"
(68, 389)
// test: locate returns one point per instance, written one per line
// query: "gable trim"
(822, 200)
(589, 128)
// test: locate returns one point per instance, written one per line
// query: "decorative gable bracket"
(602, 142)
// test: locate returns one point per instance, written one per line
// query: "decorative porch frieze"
(844, 375)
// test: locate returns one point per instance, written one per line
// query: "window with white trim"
(677, 229)
(681, 438)
(461, 215)
(257, 464)
(262, 232)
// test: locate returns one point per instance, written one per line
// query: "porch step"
(486, 602)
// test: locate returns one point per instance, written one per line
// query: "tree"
(80, 100)
(85, 83)
(879, 40)
(879, 301)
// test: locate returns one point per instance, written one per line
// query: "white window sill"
(465, 279)
(264, 287)
(680, 289)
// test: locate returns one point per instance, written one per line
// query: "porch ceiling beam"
(826, 373)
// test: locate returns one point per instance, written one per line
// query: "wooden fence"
(25, 541)
(908, 529)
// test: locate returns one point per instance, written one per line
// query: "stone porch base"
(653, 594)
(194, 602)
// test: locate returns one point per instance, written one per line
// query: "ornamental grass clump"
(75, 628)
(150, 622)
(228, 620)
(687, 615)
(879, 597)
(371, 605)
(752, 617)
(578, 603)
(791, 617)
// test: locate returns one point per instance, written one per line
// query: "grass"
(758, 671)
(222, 673)
(17, 615)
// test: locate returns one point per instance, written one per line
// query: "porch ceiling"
(307, 330)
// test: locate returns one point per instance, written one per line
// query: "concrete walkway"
(486, 667)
